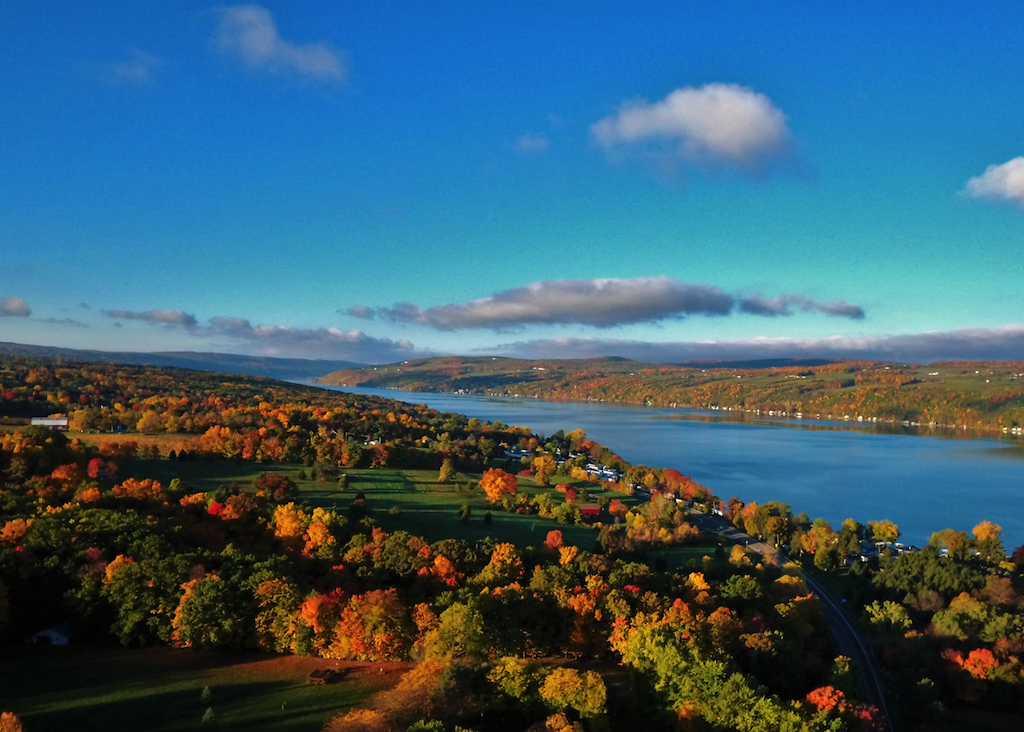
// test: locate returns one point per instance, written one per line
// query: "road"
(845, 638)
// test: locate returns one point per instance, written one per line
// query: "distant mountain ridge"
(228, 363)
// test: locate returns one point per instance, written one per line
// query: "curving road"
(845, 638)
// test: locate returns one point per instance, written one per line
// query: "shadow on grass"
(243, 706)
(162, 689)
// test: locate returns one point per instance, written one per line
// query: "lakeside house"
(57, 424)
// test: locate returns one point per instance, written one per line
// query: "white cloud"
(999, 182)
(717, 123)
(249, 33)
(239, 334)
(360, 311)
(14, 307)
(599, 303)
(139, 69)
(990, 344)
(602, 303)
(283, 340)
(155, 317)
(533, 143)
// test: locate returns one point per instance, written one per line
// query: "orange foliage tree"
(496, 483)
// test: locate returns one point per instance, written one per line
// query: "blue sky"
(376, 181)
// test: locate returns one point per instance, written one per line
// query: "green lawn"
(200, 475)
(677, 557)
(426, 508)
(430, 509)
(159, 690)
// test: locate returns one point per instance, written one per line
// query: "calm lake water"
(828, 469)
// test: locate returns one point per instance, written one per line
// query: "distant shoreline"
(910, 428)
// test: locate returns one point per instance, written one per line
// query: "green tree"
(889, 619)
(210, 616)
(460, 632)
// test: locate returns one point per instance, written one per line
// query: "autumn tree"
(496, 483)
(575, 438)
(987, 542)
(885, 530)
(278, 487)
(553, 542)
(958, 543)
(566, 688)
(505, 566)
(447, 471)
(544, 467)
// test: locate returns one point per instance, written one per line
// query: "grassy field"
(425, 507)
(201, 475)
(160, 689)
(430, 509)
(677, 557)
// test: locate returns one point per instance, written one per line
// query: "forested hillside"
(985, 396)
(620, 611)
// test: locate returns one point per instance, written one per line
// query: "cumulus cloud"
(14, 307)
(249, 33)
(282, 340)
(533, 143)
(999, 182)
(991, 344)
(360, 311)
(599, 303)
(716, 123)
(169, 318)
(786, 304)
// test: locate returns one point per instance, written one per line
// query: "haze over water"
(827, 469)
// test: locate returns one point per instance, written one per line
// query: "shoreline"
(913, 428)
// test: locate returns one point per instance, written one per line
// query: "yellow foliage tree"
(568, 688)
(697, 582)
(289, 521)
(544, 467)
(885, 530)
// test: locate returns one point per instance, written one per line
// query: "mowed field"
(430, 509)
(409, 500)
(83, 688)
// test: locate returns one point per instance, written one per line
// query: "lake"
(835, 470)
